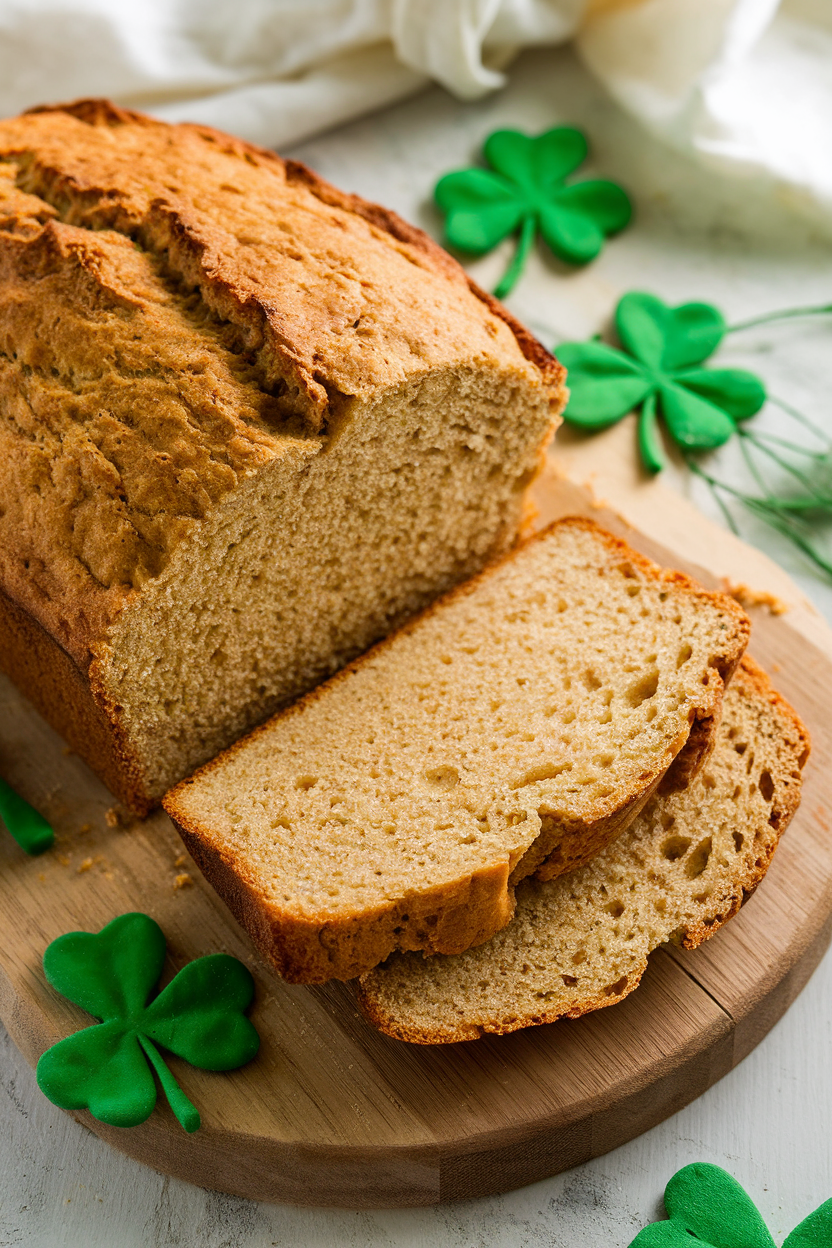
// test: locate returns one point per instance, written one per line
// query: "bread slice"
(681, 870)
(250, 424)
(517, 725)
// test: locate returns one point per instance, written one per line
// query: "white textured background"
(768, 1121)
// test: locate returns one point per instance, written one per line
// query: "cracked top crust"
(178, 308)
(337, 297)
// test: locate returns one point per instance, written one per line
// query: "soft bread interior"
(314, 558)
(550, 694)
(680, 871)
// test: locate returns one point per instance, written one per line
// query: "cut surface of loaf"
(516, 726)
(249, 424)
(681, 870)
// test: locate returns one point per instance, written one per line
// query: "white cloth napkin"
(742, 84)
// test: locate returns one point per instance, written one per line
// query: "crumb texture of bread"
(680, 871)
(249, 424)
(516, 726)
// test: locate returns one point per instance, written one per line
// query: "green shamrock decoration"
(525, 190)
(660, 370)
(703, 408)
(31, 831)
(198, 1016)
(706, 1206)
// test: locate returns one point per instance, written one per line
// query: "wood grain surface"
(333, 1113)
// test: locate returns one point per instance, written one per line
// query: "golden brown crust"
(92, 110)
(410, 1034)
(101, 112)
(107, 466)
(446, 919)
(551, 368)
(552, 371)
(91, 187)
(797, 745)
(355, 945)
(71, 701)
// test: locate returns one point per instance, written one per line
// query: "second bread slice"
(679, 872)
(516, 726)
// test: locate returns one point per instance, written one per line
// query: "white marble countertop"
(694, 237)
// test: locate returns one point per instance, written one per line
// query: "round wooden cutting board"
(331, 1113)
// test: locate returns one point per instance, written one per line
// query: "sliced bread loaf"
(682, 869)
(250, 424)
(517, 725)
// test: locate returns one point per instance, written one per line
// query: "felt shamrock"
(198, 1016)
(31, 831)
(525, 190)
(708, 1207)
(660, 370)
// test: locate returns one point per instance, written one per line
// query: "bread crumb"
(87, 863)
(596, 501)
(181, 861)
(748, 597)
(183, 881)
(116, 817)
(63, 859)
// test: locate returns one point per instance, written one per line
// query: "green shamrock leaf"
(525, 190)
(31, 831)
(814, 1231)
(660, 370)
(706, 1206)
(198, 1016)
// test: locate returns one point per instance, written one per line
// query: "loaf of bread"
(681, 870)
(516, 726)
(250, 423)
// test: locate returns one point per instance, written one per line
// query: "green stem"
(787, 527)
(784, 525)
(799, 417)
(713, 486)
(767, 317)
(751, 465)
(804, 506)
(187, 1114)
(649, 443)
(528, 230)
(31, 831)
(792, 447)
(747, 436)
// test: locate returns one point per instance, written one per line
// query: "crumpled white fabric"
(744, 84)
